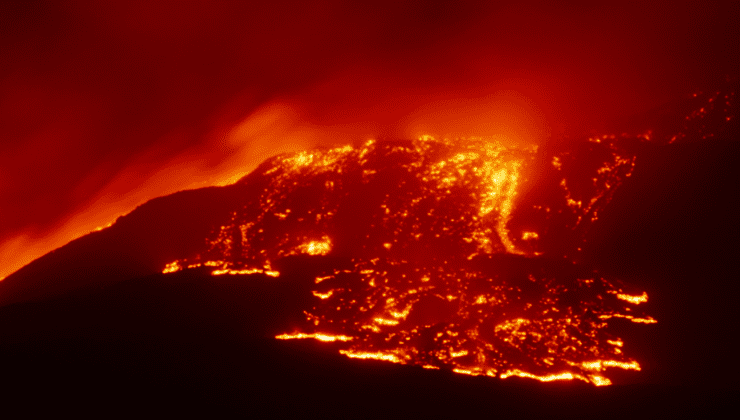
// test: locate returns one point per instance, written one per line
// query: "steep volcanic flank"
(438, 261)
(462, 255)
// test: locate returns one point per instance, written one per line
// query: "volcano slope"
(477, 269)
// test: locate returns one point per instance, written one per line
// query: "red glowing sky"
(106, 105)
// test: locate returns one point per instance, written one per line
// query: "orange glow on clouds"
(270, 130)
(281, 126)
(505, 116)
(199, 94)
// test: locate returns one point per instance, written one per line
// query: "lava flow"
(435, 255)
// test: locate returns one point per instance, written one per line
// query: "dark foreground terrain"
(186, 342)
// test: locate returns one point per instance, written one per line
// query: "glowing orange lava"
(317, 336)
(434, 274)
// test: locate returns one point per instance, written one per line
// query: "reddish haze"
(104, 106)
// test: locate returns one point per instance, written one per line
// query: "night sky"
(104, 105)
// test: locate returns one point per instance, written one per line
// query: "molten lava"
(456, 254)
(437, 259)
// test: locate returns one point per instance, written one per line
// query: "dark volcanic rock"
(95, 325)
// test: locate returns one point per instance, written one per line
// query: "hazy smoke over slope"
(104, 106)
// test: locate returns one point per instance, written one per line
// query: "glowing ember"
(548, 378)
(376, 356)
(443, 264)
(317, 336)
(633, 299)
(172, 267)
(220, 268)
(245, 271)
(321, 247)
